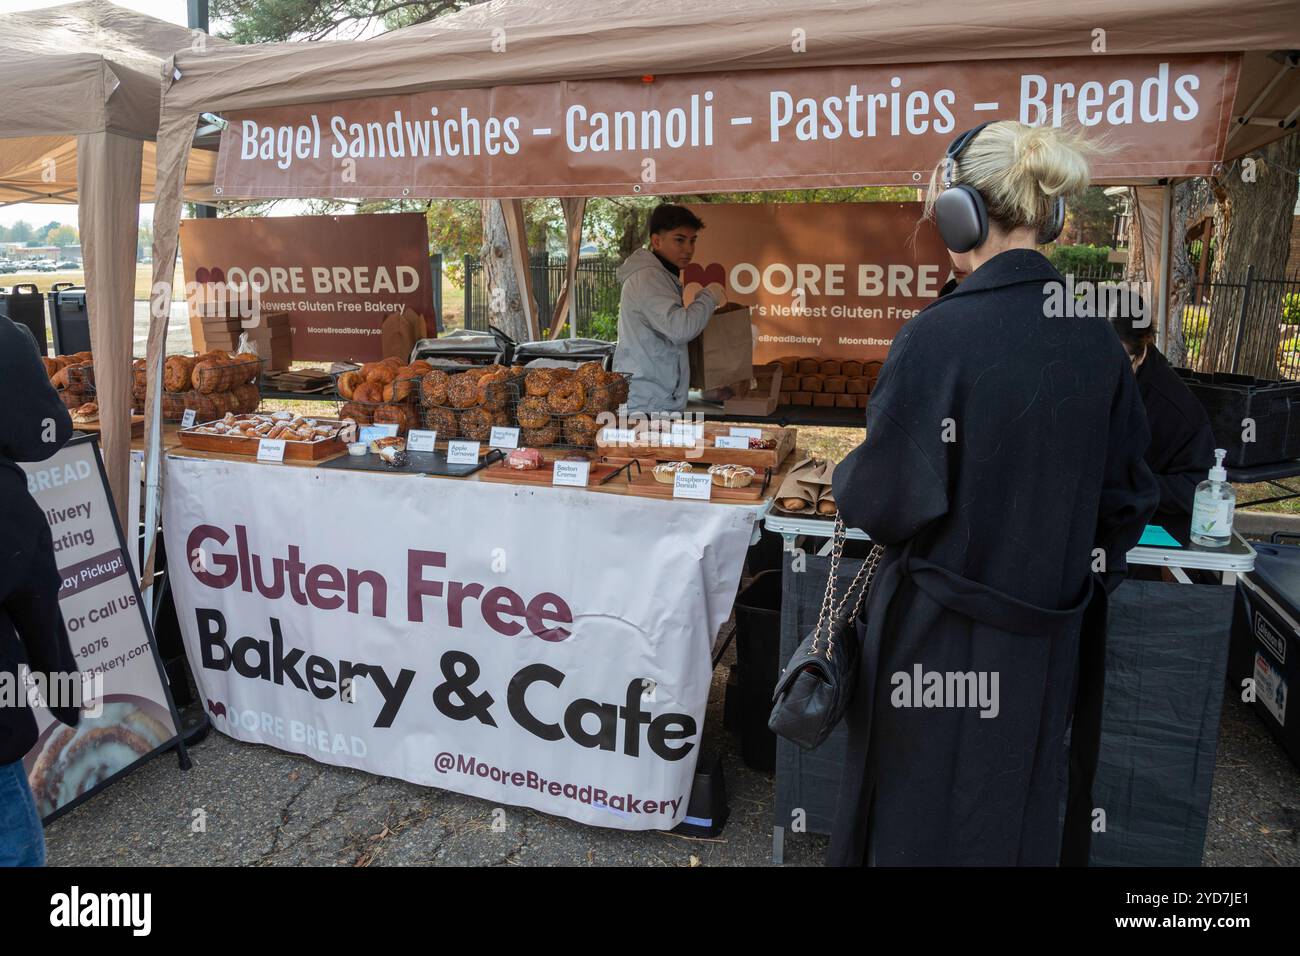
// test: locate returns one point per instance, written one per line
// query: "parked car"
(69, 264)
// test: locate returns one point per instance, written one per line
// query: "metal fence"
(1258, 320)
(596, 294)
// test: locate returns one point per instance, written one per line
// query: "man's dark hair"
(1132, 323)
(667, 217)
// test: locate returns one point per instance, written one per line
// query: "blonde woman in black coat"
(1003, 470)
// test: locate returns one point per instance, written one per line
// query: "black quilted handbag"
(814, 690)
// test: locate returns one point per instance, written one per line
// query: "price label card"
(504, 437)
(693, 484)
(462, 452)
(746, 433)
(574, 473)
(270, 449)
(617, 436)
(687, 430)
(187, 420)
(370, 433)
(731, 441)
(419, 439)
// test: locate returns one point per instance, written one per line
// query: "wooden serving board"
(240, 445)
(646, 486)
(545, 474)
(137, 426)
(705, 452)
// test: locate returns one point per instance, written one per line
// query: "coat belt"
(988, 605)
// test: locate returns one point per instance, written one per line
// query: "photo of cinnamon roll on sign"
(127, 712)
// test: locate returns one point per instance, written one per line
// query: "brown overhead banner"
(796, 128)
(337, 277)
(824, 280)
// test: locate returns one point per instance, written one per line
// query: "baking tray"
(418, 463)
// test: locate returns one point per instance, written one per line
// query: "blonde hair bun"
(1020, 170)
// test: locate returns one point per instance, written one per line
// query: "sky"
(38, 214)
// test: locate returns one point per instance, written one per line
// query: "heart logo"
(693, 273)
(713, 272)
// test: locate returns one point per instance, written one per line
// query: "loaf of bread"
(835, 384)
(849, 368)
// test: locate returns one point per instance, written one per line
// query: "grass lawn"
(44, 280)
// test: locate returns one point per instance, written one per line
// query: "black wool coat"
(1003, 470)
(1182, 443)
(31, 625)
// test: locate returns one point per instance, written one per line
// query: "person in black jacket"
(34, 424)
(1181, 452)
(1003, 472)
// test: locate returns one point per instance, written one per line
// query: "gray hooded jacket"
(653, 330)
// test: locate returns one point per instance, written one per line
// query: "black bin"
(1229, 400)
(1265, 646)
(69, 319)
(758, 647)
(26, 306)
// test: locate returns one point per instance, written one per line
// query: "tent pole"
(153, 477)
(1162, 314)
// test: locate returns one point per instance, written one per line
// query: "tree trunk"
(1134, 270)
(1192, 200)
(505, 305)
(1254, 228)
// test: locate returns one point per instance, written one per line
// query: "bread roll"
(177, 371)
(793, 504)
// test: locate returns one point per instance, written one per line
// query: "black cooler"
(69, 319)
(1266, 640)
(26, 306)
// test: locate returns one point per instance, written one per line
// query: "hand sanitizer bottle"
(1214, 504)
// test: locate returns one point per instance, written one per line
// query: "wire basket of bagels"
(562, 406)
(381, 393)
(470, 403)
(211, 385)
(73, 377)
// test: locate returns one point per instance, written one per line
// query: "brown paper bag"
(399, 333)
(723, 353)
(809, 481)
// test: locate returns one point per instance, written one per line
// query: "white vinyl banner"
(545, 647)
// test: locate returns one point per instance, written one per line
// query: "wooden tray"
(293, 450)
(137, 426)
(706, 453)
(599, 473)
(646, 486)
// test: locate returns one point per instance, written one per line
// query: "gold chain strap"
(830, 611)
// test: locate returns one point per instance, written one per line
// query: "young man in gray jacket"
(654, 326)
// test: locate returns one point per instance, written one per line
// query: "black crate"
(26, 306)
(69, 320)
(1231, 400)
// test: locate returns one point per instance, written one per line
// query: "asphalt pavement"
(250, 805)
